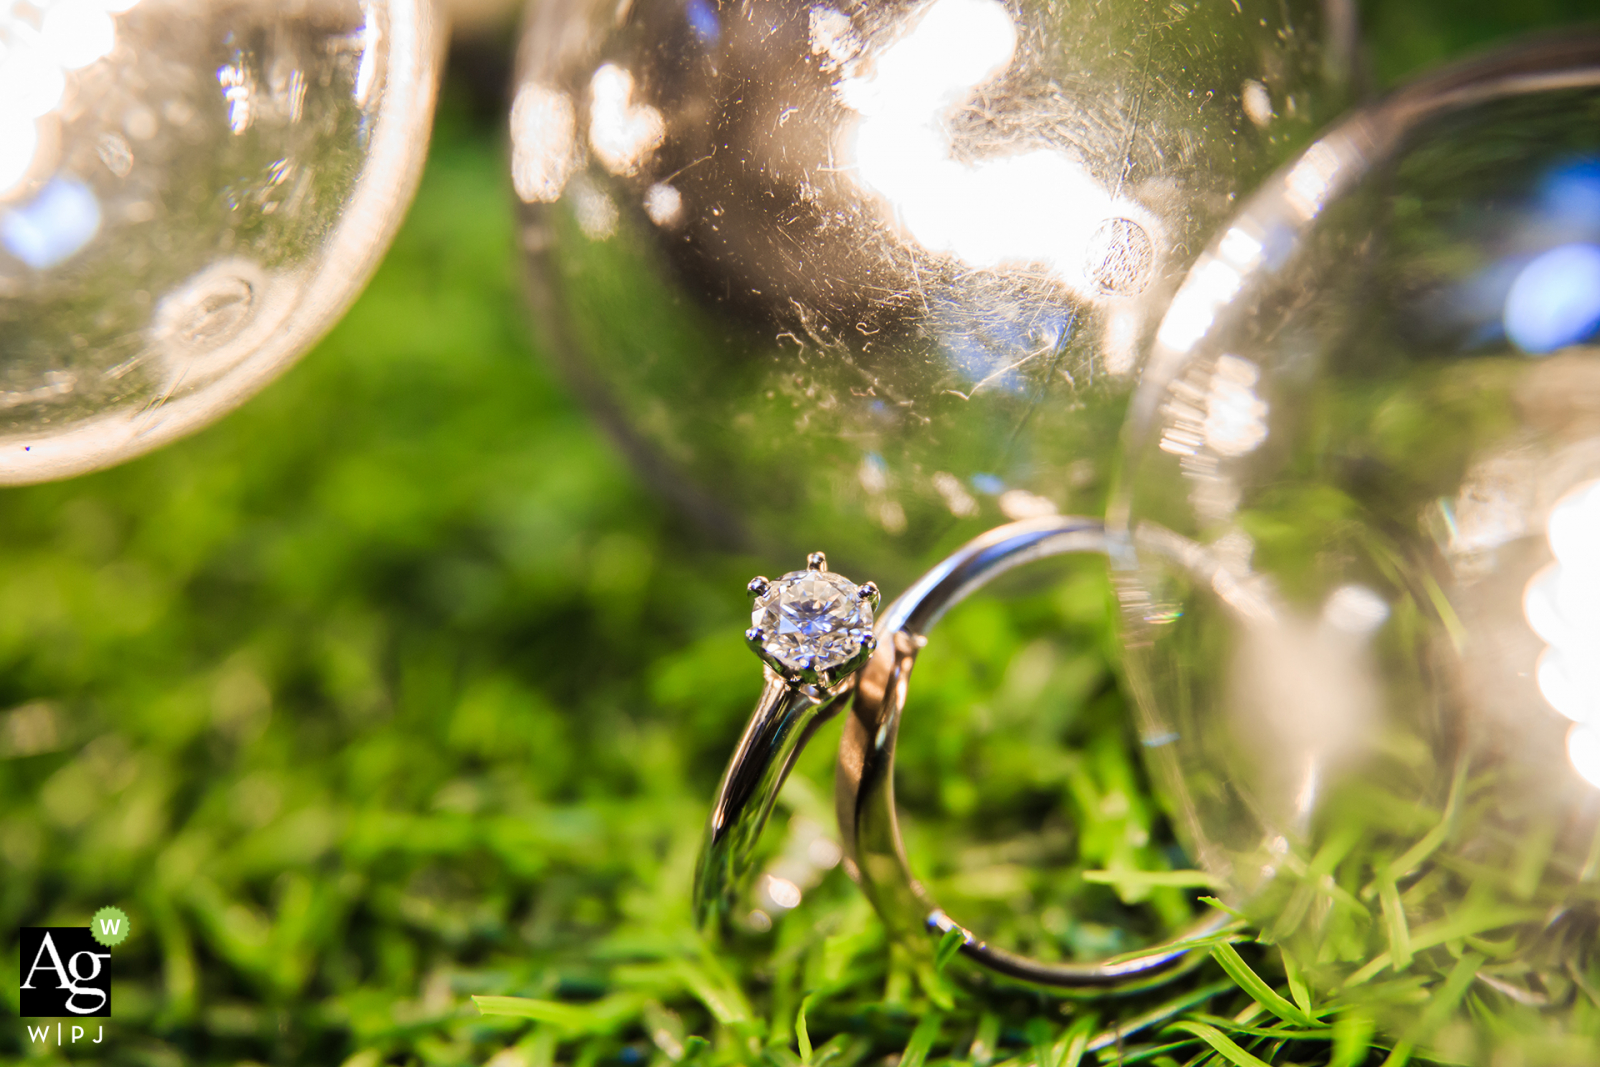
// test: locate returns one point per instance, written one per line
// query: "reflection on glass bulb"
(31, 79)
(1571, 686)
(1355, 610)
(39, 47)
(663, 204)
(1038, 207)
(1236, 419)
(780, 892)
(1210, 286)
(543, 143)
(53, 226)
(594, 209)
(77, 32)
(1562, 605)
(1555, 301)
(1583, 748)
(19, 139)
(621, 132)
(1315, 177)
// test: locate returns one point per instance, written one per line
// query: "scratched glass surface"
(878, 276)
(191, 191)
(1364, 627)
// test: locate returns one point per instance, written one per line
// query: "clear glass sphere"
(1363, 603)
(857, 275)
(191, 192)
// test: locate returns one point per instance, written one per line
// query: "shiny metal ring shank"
(779, 728)
(865, 784)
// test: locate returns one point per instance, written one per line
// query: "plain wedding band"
(864, 789)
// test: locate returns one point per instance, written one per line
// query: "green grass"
(395, 689)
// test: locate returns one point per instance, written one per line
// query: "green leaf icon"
(110, 926)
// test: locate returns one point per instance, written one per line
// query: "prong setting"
(812, 627)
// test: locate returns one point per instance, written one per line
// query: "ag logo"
(64, 972)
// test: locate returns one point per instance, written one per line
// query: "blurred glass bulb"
(75, 33)
(1362, 602)
(877, 270)
(191, 192)
(1562, 605)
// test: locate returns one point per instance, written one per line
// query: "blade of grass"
(541, 1047)
(934, 982)
(949, 945)
(1213, 902)
(1229, 960)
(801, 1033)
(1398, 1056)
(922, 1039)
(722, 999)
(604, 1016)
(1176, 1006)
(841, 1048)
(1429, 843)
(1448, 995)
(1220, 1044)
(1532, 859)
(1395, 920)
(1232, 1026)
(981, 1052)
(1137, 880)
(1352, 1039)
(1126, 1057)
(1297, 982)
(1075, 1042)
(1451, 928)
(1228, 934)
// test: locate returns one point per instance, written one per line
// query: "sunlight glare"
(1562, 605)
(19, 139)
(621, 132)
(543, 143)
(77, 33)
(1583, 748)
(1039, 207)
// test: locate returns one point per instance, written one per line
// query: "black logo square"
(65, 972)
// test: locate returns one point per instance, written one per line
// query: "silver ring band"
(780, 727)
(864, 790)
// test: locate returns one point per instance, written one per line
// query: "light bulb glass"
(191, 192)
(874, 272)
(1369, 435)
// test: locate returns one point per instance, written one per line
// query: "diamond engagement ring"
(864, 789)
(813, 630)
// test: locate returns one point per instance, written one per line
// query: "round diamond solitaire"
(812, 624)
